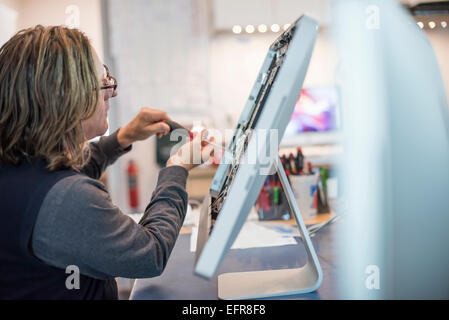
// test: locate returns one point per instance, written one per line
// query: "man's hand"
(193, 153)
(146, 124)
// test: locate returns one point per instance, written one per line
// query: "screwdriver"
(176, 126)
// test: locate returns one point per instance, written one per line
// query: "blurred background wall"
(196, 59)
(83, 14)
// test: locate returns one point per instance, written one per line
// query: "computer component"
(238, 180)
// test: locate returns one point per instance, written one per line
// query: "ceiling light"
(249, 28)
(262, 28)
(237, 29)
(275, 28)
(432, 24)
(443, 24)
(420, 24)
(286, 26)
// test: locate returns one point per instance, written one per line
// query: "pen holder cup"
(273, 210)
(306, 194)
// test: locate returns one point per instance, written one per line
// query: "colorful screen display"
(315, 111)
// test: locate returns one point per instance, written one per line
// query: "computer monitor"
(238, 180)
(315, 111)
(315, 119)
(394, 232)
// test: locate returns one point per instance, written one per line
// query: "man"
(55, 214)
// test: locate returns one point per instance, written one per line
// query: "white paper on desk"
(255, 234)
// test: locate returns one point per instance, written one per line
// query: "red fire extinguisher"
(132, 186)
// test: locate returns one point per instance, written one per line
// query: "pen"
(276, 195)
(309, 167)
(287, 166)
(284, 165)
(324, 174)
(266, 200)
(292, 164)
(300, 159)
(284, 162)
(278, 184)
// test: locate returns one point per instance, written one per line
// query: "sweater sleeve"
(102, 154)
(78, 225)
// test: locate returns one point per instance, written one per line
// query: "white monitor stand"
(272, 283)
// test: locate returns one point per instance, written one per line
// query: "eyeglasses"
(111, 83)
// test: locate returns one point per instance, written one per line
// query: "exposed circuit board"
(244, 131)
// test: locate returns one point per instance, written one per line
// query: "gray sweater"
(79, 225)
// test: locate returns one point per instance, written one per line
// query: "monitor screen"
(316, 111)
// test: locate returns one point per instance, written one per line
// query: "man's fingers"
(206, 153)
(153, 115)
(159, 127)
(206, 142)
(199, 136)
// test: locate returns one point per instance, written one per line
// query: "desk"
(319, 218)
(179, 283)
